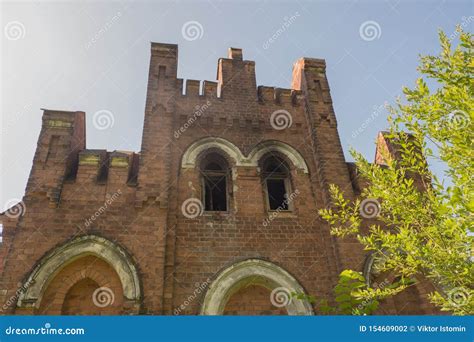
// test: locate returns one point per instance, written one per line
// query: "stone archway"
(288, 151)
(188, 160)
(192, 152)
(254, 272)
(408, 302)
(86, 286)
(90, 245)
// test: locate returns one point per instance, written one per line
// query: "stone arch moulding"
(369, 262)
(277, 146)
(61, 256)
(192, 152)
(270, 275)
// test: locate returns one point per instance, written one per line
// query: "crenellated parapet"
(232, 103)
(103, 167)
(280, 96)
(61, 157)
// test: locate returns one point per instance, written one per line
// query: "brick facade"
(135, 201)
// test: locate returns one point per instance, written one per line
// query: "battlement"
(235, 76)
(233, 101)
(279, 96)
(105, 167)
(209, 90)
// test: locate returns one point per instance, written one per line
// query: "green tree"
(424, 225)
(353, 296)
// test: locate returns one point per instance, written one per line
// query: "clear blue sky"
(94, 56)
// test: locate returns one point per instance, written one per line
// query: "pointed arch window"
(215, 182)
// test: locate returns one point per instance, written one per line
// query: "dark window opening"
(215, 193)
(213, 166)
(214, 172)
(277, 194)
(276, 181)
(274, 166)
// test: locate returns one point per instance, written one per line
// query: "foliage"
(353, 296)
(424, 225)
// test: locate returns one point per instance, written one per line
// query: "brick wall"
(74, 290)
(252, 300)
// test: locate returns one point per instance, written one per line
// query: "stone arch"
(71, 290)
(192, 152)
(214, 151)
(408, 302)
(367, 270)
(259, 271)
(277, 146)
(57, 259)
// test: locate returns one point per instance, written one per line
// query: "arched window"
(215, 173)
(276, 182)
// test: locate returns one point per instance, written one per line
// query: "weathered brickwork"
(156, 258)
(252, 300)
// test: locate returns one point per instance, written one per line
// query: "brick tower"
(217, 214)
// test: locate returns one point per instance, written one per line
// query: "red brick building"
(217, 214)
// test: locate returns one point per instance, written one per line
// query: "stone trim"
(58, 124)
(252, 271)
(192, 152)
(61, 256)
(87, 159)
(119, 162)
(277, 146)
